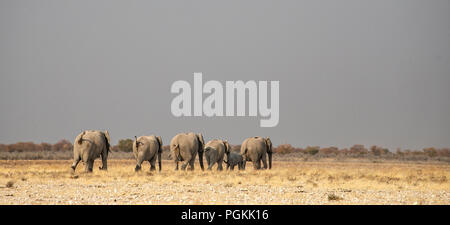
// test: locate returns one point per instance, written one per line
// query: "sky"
(350, 72)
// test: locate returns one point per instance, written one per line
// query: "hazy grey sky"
(350, 72)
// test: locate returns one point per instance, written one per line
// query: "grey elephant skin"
(147, 148)
(184, 147)
(215, 151)
(90, 145)
(254, 149)
(233, 159)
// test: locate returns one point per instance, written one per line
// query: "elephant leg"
(257, 164)
(184, 165)
(104, 162)
(264, 164)
(232, 167)
(210, 165)
(76, 160)
(264, 160)
(89, 165)
(219, 166)
(176, 162)
(228, 166)
(191, 164)
(208, 161)
(138, 165)
(152, 164)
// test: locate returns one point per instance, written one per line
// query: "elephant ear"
(227, 146)
(107, 140)
(269, 144)
(160, 143)
(200, 138)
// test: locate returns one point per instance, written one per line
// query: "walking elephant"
(215, 151)
(254, 149)
(147, 148)
(90, 145)
(184, 147)
(233, 159)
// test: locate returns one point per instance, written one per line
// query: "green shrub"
(125, 145)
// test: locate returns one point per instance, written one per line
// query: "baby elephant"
(233, 159)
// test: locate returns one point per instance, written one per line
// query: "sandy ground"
(52, 182)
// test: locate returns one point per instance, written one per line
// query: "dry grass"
(52, 182)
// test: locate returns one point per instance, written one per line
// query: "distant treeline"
(63, 145)
(63, 148)
(360, 150)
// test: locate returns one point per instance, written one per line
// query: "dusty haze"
(350, 72)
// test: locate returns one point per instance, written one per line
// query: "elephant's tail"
(80, 139)
(136, 142)
(177, 153)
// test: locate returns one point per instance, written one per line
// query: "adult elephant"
(90, 145)
(185, 146)
(147, 148)
(254, 149)
(215, 151)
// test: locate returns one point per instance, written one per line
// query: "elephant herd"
(184, 147)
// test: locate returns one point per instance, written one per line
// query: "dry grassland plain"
(297, 182)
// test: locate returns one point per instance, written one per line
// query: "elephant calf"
(147, 148)
(88, 146)
(233, 159)
(215, 151)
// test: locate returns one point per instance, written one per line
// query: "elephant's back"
(254, 144)
(215, 144)
(91, 145)
(94, 136)
(184, 139)
(152, 142)
(148, 139)
(89, 135)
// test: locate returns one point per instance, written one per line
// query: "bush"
(358, 150)
(329, 151)
(431, 152)
(63, 145)
(312, 150)
(375, 150)
(47, 146)
(284, 149)
(125, 145)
